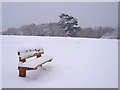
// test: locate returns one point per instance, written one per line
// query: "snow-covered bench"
(30, 60)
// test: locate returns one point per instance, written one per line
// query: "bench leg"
(22, 72)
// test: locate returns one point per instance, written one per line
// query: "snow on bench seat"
(33, 63)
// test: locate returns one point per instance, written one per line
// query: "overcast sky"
(89, 14)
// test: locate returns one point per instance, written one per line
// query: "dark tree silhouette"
(69, 24)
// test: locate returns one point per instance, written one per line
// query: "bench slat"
(29, 53)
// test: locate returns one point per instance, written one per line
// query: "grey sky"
(89, 14)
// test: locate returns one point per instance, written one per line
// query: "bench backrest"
(23, 55)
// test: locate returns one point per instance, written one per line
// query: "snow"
(29, 47)
(34, 57)
(34, 62)
(20, 63)
(77, 63)
(24, 54)
(1, 61)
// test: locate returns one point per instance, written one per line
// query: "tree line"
(67, 26)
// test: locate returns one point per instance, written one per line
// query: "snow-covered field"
(77, 63)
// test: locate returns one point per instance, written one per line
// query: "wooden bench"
(31, 60)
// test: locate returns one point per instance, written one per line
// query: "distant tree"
(69, 24)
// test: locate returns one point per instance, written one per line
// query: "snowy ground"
(78, 63)
(0, 61)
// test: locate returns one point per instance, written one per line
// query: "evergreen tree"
(69, 24)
